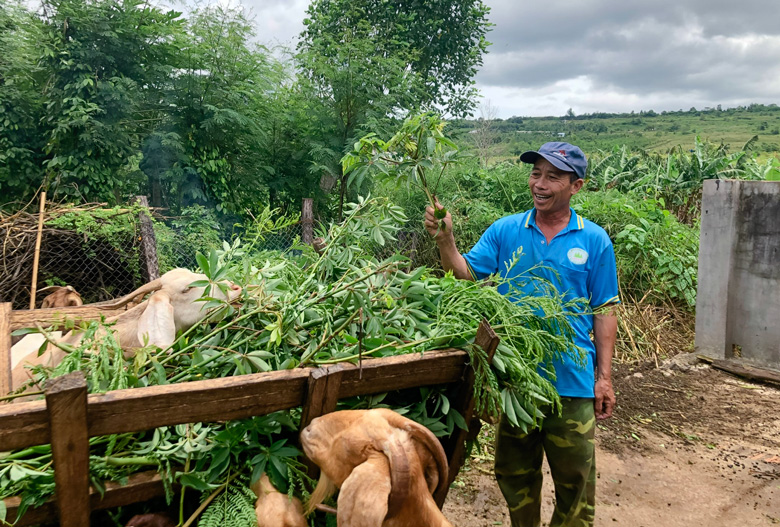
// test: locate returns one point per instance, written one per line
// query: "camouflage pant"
(569, 445)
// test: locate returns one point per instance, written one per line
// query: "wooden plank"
(149, 264)
(403, 371)
(45, 317)
(463, 402)
(137, 409)
(224, 399)
(140, 487)
(66, 402)
(23, 425)
(5, 347)
(746, 371)
(322, 396)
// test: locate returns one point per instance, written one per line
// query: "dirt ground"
(688, 446)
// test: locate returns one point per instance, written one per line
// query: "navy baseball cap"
(563, 156)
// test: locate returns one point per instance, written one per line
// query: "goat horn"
(50, 287)
(154, 285)
(431, 442)
(400, 477)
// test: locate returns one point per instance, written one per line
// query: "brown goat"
(274, 509)
(387, 467)
(61, 297)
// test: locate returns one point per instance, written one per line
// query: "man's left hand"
(605, 399)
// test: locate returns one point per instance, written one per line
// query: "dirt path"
(686, 448)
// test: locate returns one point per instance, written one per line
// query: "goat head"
(387, 467)
(274, 509)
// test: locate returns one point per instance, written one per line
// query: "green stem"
(185, 373)
(307, 357)
(17, 395)
(356, 281)
(203, 339)
(208, 500)
(396, 347)
(115, 461)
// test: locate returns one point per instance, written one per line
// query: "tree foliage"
(441, 42)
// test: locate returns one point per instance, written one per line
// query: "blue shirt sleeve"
(482, 259)
(602, 280)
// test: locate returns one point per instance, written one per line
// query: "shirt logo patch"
(577, 256)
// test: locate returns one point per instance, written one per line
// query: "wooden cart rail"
(68, 416)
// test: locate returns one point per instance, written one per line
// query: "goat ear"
(156, 323)
(363, 497)
(438, 477)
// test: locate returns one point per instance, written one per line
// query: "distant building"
(561, 134)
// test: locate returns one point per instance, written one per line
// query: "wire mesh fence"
(100, 263)
(177, 247)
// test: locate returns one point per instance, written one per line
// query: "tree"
(442, 42)
(484, 133)
(206, 147)
(350, 85)
(21, 106)
(101, 58)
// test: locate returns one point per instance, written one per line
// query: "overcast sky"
(608, 55)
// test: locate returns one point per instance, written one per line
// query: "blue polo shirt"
(579, 262)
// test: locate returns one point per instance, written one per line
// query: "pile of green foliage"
(308, 310)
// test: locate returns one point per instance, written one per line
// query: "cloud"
(611, 55)
(606, 55)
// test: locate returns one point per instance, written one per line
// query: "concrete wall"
(738, 300)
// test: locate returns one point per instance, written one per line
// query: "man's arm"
(604, 333)
(451, 259)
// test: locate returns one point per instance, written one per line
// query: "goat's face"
(336, 444)
(62, 297)
(187, 308)
(340, 441)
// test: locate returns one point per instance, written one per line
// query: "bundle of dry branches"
(651, 332)
(18, 232)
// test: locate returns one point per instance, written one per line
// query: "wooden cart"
(68, 417)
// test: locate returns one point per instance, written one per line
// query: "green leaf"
(203, 263)
(190, 480)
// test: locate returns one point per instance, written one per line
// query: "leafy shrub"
(197, 228)
(657, 256)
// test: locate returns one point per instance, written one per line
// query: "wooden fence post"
(463, 402)
(149, 264)
(322, 396)
(66, 404)
(307, 221)
(37, 254)
(5, 347)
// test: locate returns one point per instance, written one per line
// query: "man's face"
(551, 187)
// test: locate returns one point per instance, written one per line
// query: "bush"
(657, 256)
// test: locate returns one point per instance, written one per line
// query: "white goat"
(173, 306)
(61, 297)
(387, 467)
(274, 509)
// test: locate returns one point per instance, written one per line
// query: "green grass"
(649, 131)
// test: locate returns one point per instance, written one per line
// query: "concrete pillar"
(738, 302)
(719, 210)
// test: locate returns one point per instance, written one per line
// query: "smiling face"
(551, 188)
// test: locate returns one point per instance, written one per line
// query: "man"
(575, 256)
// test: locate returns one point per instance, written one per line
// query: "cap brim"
(531, 157)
